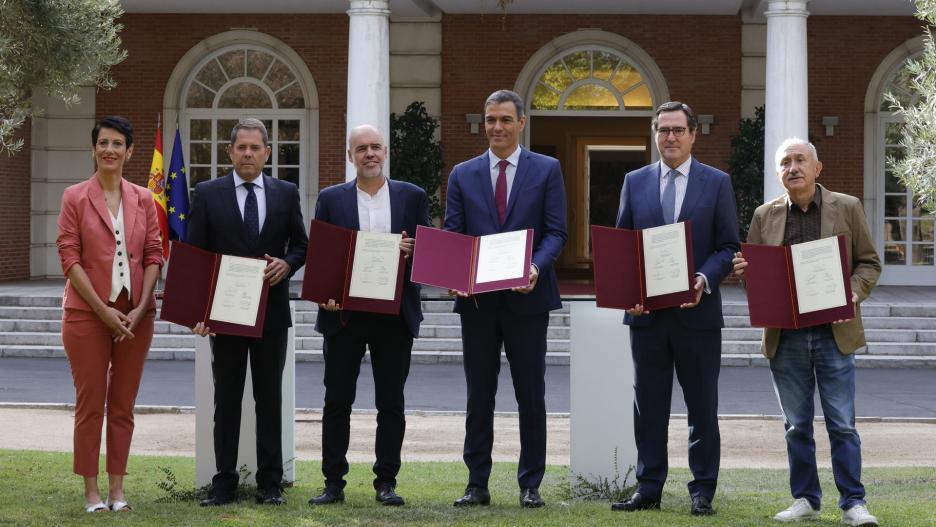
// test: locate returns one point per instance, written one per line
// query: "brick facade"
(156, 42)
(14, 210)
(844, 53)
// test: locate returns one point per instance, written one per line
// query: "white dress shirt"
(682, 181)
(241, 192)
(374, 211)
(513, 159)
(120, 270)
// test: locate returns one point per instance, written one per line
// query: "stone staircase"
(899, 335)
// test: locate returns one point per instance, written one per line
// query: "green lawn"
(38, 488)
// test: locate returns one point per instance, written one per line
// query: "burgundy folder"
(771, 289)
(618, 263)
(449, 260)
(189, 292)
(329, 258)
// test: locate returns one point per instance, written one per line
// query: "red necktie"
(500, 190)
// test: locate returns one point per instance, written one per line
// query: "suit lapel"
(350, 205)
(695, 187)
(520, 180)
(131, 204)
(396, 208)
(775, 224)
(652, 193)
(271, 199)
(483, 173)
(229, 200)
(827, 213)
(96, 195)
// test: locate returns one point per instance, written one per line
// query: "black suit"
(216, 224)
(389, 338)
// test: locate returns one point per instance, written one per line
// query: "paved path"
(745, 390)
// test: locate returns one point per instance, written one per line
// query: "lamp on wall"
(830, 123)
(705, 121)
(474, 119)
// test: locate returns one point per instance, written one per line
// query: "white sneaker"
(799, 511)
(858, 516)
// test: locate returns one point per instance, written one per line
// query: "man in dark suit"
(247, 213)
(505, 189)
(372, 203)
(687, 338)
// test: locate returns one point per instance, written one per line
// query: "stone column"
(787, 84)
(368, 69)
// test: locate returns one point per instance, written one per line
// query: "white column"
(247, 444)
(601, 394)
(787, 84)
(368, 69)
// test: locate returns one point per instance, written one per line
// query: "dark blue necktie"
(668, 199)
(251, 215)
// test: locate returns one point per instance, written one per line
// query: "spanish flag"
(157, 187)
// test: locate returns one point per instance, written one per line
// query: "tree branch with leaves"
(57, 46)
(917, 168)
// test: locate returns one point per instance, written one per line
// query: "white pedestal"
(247, 449)
(602, 393)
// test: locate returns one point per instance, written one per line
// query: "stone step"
(871, 335)
(886, 322)
(861, 361)
(30, 312)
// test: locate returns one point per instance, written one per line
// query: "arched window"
(908, 230)
(244, 81)
(595, 79)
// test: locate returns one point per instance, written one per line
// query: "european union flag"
(177, 206)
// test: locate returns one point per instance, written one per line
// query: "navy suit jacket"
(408, 208)
(216, 225)
(536, 201)
(709, 203)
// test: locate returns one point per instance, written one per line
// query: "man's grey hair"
(793, 141)
(249, 123)
(501, 96)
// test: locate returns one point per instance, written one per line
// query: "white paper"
(375, 266)
(501, 256)
(817, 271)
(238, 290)
(666, 265)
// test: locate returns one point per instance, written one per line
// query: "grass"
(39, 489)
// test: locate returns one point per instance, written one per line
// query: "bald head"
(367, 151)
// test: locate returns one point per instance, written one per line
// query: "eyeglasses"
(678, 132)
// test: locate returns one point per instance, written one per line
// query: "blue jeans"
(805, 358)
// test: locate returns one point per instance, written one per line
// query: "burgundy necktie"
(500, 190)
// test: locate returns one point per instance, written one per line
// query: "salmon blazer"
(86, 237)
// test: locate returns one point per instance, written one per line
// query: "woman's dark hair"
(114, 122)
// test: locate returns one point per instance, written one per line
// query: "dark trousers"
(696, 356)
(523, 337)
(391, 345)
(267, 356)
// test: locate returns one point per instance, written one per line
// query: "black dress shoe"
(702, 506)
(270, 497)
(637, 502)
(215, 499)
(474, 496)
(530, 499)
(328, 496)
(386, 495)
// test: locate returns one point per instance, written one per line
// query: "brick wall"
(14, 210)
(700, 58)
(844, 52)
(156, 42)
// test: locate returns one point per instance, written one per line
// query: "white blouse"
(120, 273)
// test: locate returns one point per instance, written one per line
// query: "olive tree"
(56, 46)
(916, 169)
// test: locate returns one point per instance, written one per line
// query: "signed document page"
(665, 263)
(375, 265)
(817, 272)
(501, 256)
(238, 290)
